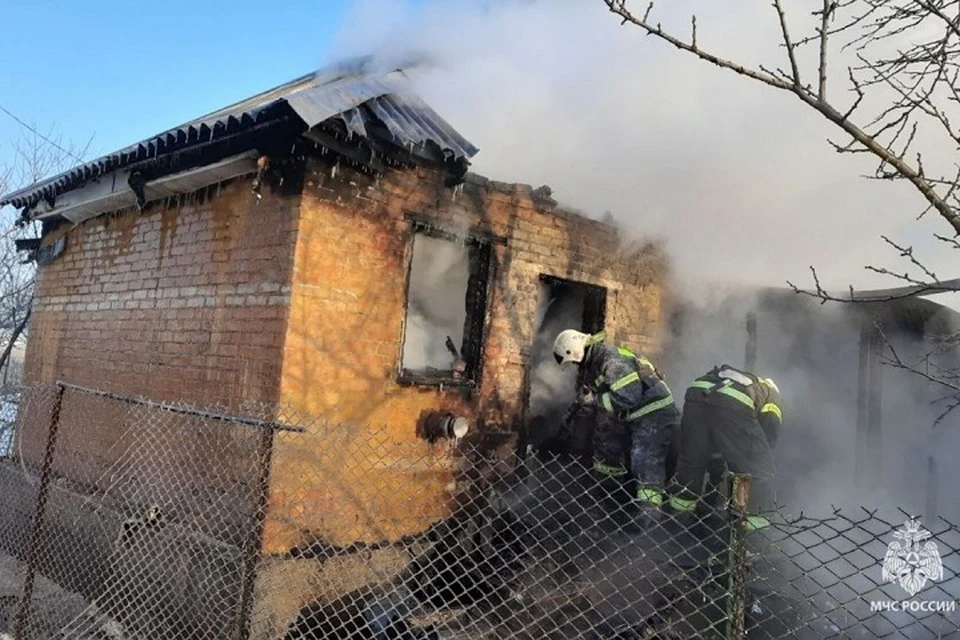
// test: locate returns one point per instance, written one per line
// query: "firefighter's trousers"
(644, 443)
(711, 427)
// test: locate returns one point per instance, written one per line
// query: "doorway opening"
(564, 304)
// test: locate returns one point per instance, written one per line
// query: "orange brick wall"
(301, 299)
(343, 344)
(185, 301)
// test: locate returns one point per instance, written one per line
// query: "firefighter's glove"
(586, 398)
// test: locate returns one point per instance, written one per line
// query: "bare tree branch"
(896, 361)
(18, 330)
(828, 7)
(876, 295)
(907, 252)
(36, 155)
(903, 66)
(878, 21)
(949, 379)
(791, 49)
(953, 242)
(618, 7)
(859, 91)
(56, 144)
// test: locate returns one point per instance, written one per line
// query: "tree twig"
(824, 35)
(791, 50)
(17, 331)
(883, 26)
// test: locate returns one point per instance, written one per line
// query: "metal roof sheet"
(352, 91)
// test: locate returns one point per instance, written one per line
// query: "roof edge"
(339, 90)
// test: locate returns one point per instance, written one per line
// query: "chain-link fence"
(124, 518)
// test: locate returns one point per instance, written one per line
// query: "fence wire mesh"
(124, 518)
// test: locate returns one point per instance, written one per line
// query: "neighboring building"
(303, 247)
(857, 430)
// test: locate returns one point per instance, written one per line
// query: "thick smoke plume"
(738, 180)
(813, 353)
(436, 307)
(551, 387)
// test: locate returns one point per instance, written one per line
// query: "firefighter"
(636, 411)
(738, 415)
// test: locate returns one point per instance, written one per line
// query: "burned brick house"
(301, 248)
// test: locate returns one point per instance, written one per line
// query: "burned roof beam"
(377, 144)
(381, 141)
(362, 154)
(428, 154)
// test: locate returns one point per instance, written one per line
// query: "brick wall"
(343, 344)
(185, 301)
(301, 298)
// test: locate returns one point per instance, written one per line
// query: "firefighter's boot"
(650, 502)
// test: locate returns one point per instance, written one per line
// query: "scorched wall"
(377, 480)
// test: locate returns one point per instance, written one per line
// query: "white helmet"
(570, 346)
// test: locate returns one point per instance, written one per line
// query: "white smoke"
(737, 178)
(812, 352)
(551, 388)
(436, 303)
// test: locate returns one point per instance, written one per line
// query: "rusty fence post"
(36, 533)
(254, 543)
(737, 560)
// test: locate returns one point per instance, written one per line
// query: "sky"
(119, 74)
(737, 179)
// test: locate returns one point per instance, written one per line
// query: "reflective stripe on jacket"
(760, 395)
(626, 385)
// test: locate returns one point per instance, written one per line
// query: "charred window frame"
(465, 369)
(594, 300)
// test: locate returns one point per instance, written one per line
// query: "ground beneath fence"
(548, 552)
(555, 554)
(52, 608)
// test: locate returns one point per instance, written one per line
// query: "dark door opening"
(564, 304)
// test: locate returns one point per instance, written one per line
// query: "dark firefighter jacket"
(626, 385)
(726, 386)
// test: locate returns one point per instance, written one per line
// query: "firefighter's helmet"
(570, 346)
